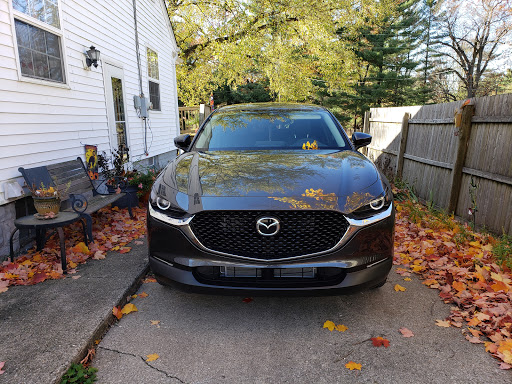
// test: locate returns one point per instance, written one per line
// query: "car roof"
(271, 107)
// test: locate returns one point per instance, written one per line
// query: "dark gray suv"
(271, 197)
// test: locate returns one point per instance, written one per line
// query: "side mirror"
(183, 142)
(361, 139)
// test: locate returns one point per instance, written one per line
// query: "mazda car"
(271, 197)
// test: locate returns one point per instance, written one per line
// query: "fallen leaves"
(129, 308)
(116, 311)
(443, 323)
(380, 341)
(450, 257)
(399, 288)
(143, 295)
(331, 326)
(112, 229)
(152, 357)
(351, 365)
(406, 332)
(2, 363)
(247, 300)
(155, 322)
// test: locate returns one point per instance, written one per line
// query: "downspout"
(137, 47)
(137, 51)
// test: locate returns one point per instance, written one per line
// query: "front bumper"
(362, 259)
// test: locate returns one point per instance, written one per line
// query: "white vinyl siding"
(43, 122)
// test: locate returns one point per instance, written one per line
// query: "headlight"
(379, 204)
(162, 203)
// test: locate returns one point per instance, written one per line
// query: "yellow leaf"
(475, 244)
(134, 296)
(351, 365)
(27, 262)
(398, 288)
(329, 325)
(341, 328)
(72, 264)
(152, 357)
(128, 308)
(399, 208)
(116, 248)
(417, 268)
(407, 279)
(154, 322)
(487, 248)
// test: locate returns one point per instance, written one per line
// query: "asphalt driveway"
(222, 339)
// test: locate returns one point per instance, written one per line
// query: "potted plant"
(46, 200)
(143, 180)
(117, 177)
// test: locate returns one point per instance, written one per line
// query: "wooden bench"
(76, 190)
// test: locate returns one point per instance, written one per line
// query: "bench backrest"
(68, 177)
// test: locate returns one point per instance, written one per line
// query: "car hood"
(342, 180)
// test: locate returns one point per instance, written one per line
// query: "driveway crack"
(145, 362)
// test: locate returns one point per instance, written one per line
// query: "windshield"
(270, 129)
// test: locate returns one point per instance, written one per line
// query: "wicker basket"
(45, 205)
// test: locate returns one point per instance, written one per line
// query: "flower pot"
(45, 205)
(130, 199)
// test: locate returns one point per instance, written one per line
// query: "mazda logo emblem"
(267, 226)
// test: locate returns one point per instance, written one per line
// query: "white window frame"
(17, 15)
(157, 81)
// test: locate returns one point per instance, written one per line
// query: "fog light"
(377, 204)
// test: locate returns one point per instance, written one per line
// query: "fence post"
(366, 128)
(460, 157)
(403, 143)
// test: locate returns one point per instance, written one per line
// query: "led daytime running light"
(162, 203)
(377, 204)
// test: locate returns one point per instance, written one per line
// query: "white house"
(53, 101)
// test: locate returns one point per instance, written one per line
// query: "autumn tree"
(470, 35)
(288, 43)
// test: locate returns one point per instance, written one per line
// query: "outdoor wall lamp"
(92, 56)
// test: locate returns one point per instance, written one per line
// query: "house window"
(46, 11)
(39, 52)
(154, 83)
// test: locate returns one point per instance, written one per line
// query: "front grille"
(301, 232)
(270, 277)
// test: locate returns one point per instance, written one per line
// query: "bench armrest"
(78, 202)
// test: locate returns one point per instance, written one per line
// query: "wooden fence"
(191, 118)
(440, 148)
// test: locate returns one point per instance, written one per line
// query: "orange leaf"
(379, 341)
(398, 288)
(459, 286)
(128, 308)
(154, 322)
(474, 322)
(500, 286)
(341, 328)
(351, 365)
(125, 249)
(116, 311)
(143, 295)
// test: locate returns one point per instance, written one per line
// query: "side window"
(154, 82)
(39, 40)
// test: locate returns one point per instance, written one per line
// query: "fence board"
(430, 152)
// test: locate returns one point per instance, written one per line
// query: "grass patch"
(502, 250)
(78, 374)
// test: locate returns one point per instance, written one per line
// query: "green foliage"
(143, 180)
(502, 250)
(78, 374)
